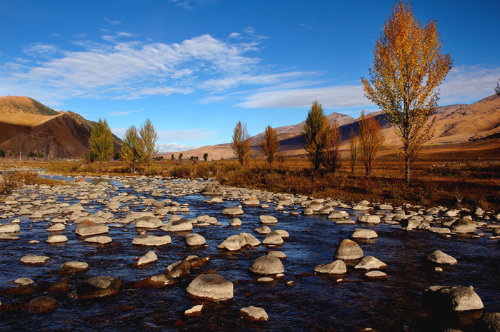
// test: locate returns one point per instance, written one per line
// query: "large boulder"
(194, 239)
(439, 257)
(99, 287)
(267, 265)
(232, 211)
(370, 263)
(9, 228)
(336, 267)
(253, 314)
(273, 239)
(211, 287)
(364, 234)
(457, 298)
(464, 225)
(348, 250)
(268, 220)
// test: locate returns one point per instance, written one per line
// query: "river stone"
(156, 282)
(53, 239)
(277, 253)
(235, 222)
(73, 267)
(267, 265)
(9, 228)
(440, 257)
(489, 322)
(253, 314)
(42, 305)
(463, 226)
(369, 219)
(308, 212)
(148, 222)
(56, 228)
(24, 282)
(348, 250)
(273, 238)
(194, 239)
(99, 287)
(338, 215)
(232, 243)
(263, 230)
(370, 263)
(211, 287)
(250, 240)
(86, 229)
(364, 234)
(34, 260)
(336, 267)
(99, 239)
(194, 311)
(268, 220)
(375, 275)
(232, 211)
(387, 207)
(151, 241)
(458, 298)
(251, 202)
(182, 225)
(179, 269)
(148, 258)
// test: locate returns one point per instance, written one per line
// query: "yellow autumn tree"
(370, 141)
(271, 144)
(315, 130)
(241, 143)
(407, 68)
(333, 138)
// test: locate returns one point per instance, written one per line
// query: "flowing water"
(313, 303)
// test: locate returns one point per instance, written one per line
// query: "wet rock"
(232, 243)
(232, 211)
(56, 228)
(250, 240)
(251, 202)
(386, 207)
(98, 287)
(148, 258)
(308, 212)
(253, 314)
(179, 269)
(211, 287)
(489, 322)
(463, 226)
(411, 223)
(155, 282)
(196, 261)
(148, 222)
(336, 267)
(369, 219)
(151, 241)
(53, 239)
(43, 305)
(182, 225)
(91, 229)
(100, 239)
(364, 234)
(375, 275)
(24, 282)
(34, 260)
(457, 298)
(267, 265)
(338, 215)
(268, 220)
(451, 213)
(9, 228)
(263, 230)
(273, 238)
(440, 230)
(348, 250)
(73, 267)
(370, 263)
(265, 280)
(479, 212)
(439, 257)
(194, 239)
(59, 288)
(194, 311)
(235, 222)
(277, 253)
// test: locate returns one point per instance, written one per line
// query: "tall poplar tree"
(101, 142)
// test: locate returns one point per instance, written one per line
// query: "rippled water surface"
(314, 303)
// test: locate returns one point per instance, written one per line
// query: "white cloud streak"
(122, 113)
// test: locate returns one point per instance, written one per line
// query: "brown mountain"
(29, 126)
(457, 123)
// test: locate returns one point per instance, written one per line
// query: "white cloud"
(329, 97)
(121, 113)
(182, 3)
(174, 147)
(112, 22)
(234, 35)
(40, 50)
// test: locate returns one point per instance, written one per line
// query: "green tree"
(131, 148)
(147, 142)
(172, 157)
(315, 130)
(241, 143)
(101, 142)
(2, 153)
(370, 141)
(408, 66)
(333, 138)
(180, 156)
(271, 144)
(205, 156)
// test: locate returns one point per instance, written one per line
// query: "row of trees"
(138, 147)
(241, 144)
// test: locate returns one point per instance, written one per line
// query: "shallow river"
(313, 303)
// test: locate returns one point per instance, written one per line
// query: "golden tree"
(333, 138)
(315, 130)
(271, 144)
(353, 149)
(130, 151)
(101, 142)
(147, 142)
(408, 66)
(370, 140)
(241, 143)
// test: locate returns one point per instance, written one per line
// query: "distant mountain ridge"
(454, 124)
(27, 125)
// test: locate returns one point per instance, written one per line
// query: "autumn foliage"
(241, 143)
(271, 144)
(407, 68)
(314, 133)
(370, 141)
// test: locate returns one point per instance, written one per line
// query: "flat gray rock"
(211, 287)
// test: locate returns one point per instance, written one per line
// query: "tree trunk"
(407, 169)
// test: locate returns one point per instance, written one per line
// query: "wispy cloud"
(40, 50)
(122, 113)
(112, 22)
(183, 4)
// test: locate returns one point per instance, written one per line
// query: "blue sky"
(196, 67)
